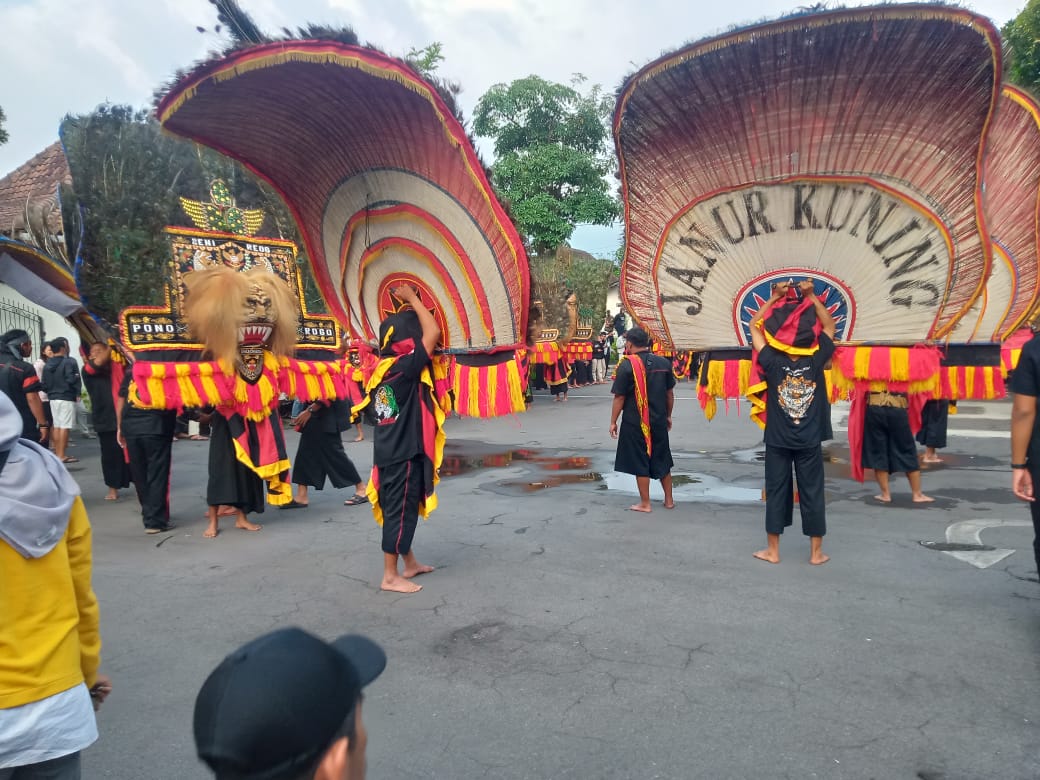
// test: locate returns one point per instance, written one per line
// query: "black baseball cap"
(275, 705)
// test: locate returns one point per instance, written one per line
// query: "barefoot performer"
(792, 339)
(247, 323)
(888, 443)
(643, 392)
(409, 435)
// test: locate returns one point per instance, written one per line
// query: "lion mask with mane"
(232, 312)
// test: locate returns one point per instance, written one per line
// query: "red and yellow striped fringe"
(488, 391)
(544, 352)
(972, 382)
(209, 383)
(899, 369)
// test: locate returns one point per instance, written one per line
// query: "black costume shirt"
(798, 412)
(144, 422)
(1026, 381)
(397, 405)
(98, 382)
(16, 379)
(659, 380)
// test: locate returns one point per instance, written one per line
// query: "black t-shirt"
(599, 350)
(397, 406)
(659, 380)
(16, 379)
(144, 422)
(798, 412)
(1026, 381)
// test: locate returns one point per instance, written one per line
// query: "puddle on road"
(574, 471)
(460, 459)
(554, 481)
(689, 487)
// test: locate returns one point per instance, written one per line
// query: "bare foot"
(767, 555)
(921, 498)
(419, 568)
(931, 460)
(819, 559)
(669, 505)
(641, 508)
(245, 525)
(112, 495)
(399, 584)
(211, 531)
(884, 499)
(226, 511)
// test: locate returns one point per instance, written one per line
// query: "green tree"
(555, 276)
(127, 180)
(1022, 36)
(426, 60)
(3, 133)
(552, 158)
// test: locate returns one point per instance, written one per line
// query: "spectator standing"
(18, 379)
(62, 383)
(51, 646)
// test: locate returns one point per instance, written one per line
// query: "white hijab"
(36, 492)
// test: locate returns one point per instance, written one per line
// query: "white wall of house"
(12, 304)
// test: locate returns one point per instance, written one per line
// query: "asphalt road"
(565, 637)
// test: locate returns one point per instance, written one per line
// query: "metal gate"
(14, 316)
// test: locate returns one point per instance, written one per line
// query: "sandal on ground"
(162, 530)
(356, 500)
(70, 459)
(294, 504)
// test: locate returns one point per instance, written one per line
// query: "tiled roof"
(34, 184)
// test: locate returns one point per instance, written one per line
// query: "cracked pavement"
(565, 637)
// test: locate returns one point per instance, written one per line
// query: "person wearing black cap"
(287, 706)
(19, 380)
(643, 398)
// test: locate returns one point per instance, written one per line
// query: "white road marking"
(970, 532)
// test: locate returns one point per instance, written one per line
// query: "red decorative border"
(374, 63)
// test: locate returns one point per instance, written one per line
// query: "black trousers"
(150, 459)
(808, 468)
(1034, 510)
(401, 487)
(320, 456)
(114, 468)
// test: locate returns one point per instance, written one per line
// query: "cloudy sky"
(67, 56)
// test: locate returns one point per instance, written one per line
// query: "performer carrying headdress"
(250, 343)
(792, 339)
(409, 435)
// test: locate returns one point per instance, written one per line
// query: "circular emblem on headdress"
(388, 304)
(834, 295)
